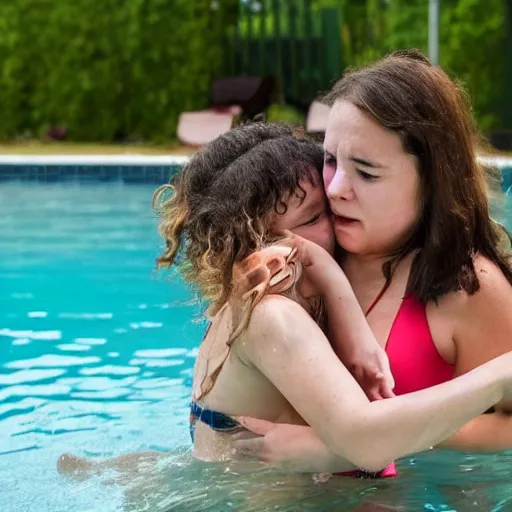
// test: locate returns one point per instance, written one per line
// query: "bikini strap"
(377, 298)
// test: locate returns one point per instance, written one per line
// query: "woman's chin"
(349, 243)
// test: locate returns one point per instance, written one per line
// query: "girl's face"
(308, 217)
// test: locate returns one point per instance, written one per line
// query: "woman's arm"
(292, 352)
(298, 448)
(486, 433)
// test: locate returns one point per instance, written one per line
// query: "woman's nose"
(340, 186)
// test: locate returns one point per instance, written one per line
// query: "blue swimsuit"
(217, 421)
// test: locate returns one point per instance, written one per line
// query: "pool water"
(96, 359)
(96, 351)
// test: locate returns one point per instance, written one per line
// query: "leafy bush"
(472, 43)
(109, 69)
(285, 114)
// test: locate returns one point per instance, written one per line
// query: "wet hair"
(405, 93)
(222, 202)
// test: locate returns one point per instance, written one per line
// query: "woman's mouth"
(344, 221)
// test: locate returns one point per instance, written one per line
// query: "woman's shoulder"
(485, 312)
(482, 323)
(492, 282)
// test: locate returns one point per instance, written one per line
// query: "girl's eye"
(366, 176)
(313, 220)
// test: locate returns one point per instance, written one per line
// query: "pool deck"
(95, 160)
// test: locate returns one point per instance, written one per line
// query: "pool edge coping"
(96, 160)
(137, 159)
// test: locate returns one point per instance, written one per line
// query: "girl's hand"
(370, 367)
(322, 273)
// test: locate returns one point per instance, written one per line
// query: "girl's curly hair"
(221, 203)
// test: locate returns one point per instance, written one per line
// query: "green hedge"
(473, 43)
(107, 69)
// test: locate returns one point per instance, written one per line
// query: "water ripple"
(160, 382)
(34, 335)
(156, 363)
(90, 341)
(146, 325)
(86, 316)
(49, 390)
(24, 376)
(109, 369)
(21, 341)
(52, 361)
(37, 314)
(23, 406)
(163, 352)
(107, 394)
(72, 347)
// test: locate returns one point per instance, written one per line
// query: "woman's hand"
(291, 447)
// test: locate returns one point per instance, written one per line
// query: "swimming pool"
(96, 359)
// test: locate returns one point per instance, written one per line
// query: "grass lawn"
(74, 148)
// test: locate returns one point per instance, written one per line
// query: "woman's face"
(372, 184)
(308, 217)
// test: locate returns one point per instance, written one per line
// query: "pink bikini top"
(414, 359)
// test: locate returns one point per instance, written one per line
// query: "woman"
(262, 343)
(425, 259)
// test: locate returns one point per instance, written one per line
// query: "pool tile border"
(129, 169)
(134, 169)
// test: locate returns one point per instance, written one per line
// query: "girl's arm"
(349, 332)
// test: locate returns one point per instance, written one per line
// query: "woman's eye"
(366, 176)
(329, 160)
